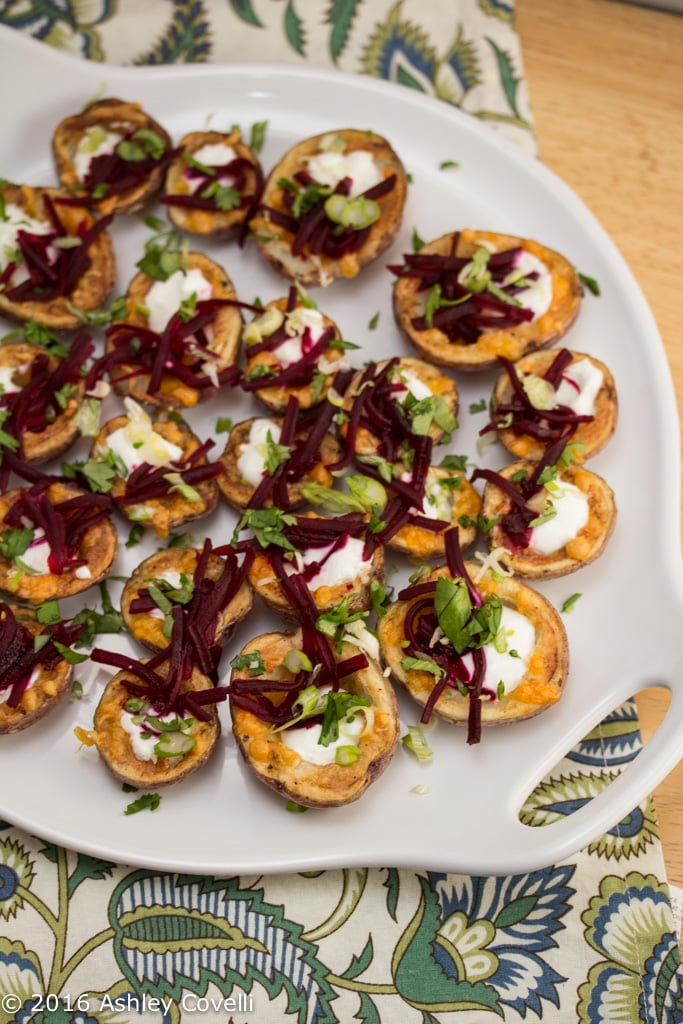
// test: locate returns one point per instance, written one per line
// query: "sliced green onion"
(415, 741)
(346, 755)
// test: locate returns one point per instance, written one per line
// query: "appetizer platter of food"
(338, 475)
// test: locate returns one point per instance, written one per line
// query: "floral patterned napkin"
(85, 941)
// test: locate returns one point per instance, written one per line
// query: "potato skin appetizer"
(24, 363)
(544, 676)
(464, 501)
(170, 508)
(395, 381)
(87, 269)
(225, 327)
(510, 410)
(127, 121)
(190, 195)
(115, 745)
(240, 493)
(587, 544)
(265, 570)
(480, 347)
(18, 628)
(282, 768)
(97, 549)
(149, 628)
(284, 235)
(261, 353)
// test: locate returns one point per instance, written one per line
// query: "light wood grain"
(605, 82)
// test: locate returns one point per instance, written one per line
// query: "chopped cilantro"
(146, 802)
(568, 605)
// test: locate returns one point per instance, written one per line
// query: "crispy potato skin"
(173, 510)
(262, 577)
(148, 629)
(282, 769)
(589, 543)
(548, 666)
(98, 547)
(309, 269)
(435, 346)
(212, 224)
(419, 542)
(439, 384)
(226, 327)
(108, 113)
(276, 398)
(94, 285)
(239, 493)
(593, 436)
(116, 750)
(44, 694)
(38, 447)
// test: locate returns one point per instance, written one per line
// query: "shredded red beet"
(19, 657)
(41, 401)
(53, 271)
(549, 426)
(149, 482)
(179, 352)
(420, 627)
(65, 524)
(110, 174)
(313, 231)
(474, 312)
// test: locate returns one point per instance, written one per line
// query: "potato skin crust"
(419, 542)
(148, 629)
(93, 286)
(98, 547)
(549, 664)
(593, 436)
(589, 543)
(281, 768)
(310, 269)
(115, 748)
(108, 112)
(512, 342)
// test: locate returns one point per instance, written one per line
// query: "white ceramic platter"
(623, 633)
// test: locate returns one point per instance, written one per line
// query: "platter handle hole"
(598, 759)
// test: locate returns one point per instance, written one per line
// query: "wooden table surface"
(605, 82)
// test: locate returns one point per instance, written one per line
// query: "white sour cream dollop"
(251, 461)
(164, 298)
(571, 506)
(137, 441)
(360, 166)
(579, 387)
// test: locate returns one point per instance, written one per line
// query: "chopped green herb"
(568, 605)
(590, 283)
(48, 613)
(13, 543)
(478, 406)
(223, 425)
(109, 620)
(373, 322)
(415, 742)
(294, 808)
(146, 802)
(422, 665)
(445, 165)
(418, 242)
(137, 532)
(76, 691)
(253, 662)
(257, 135)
